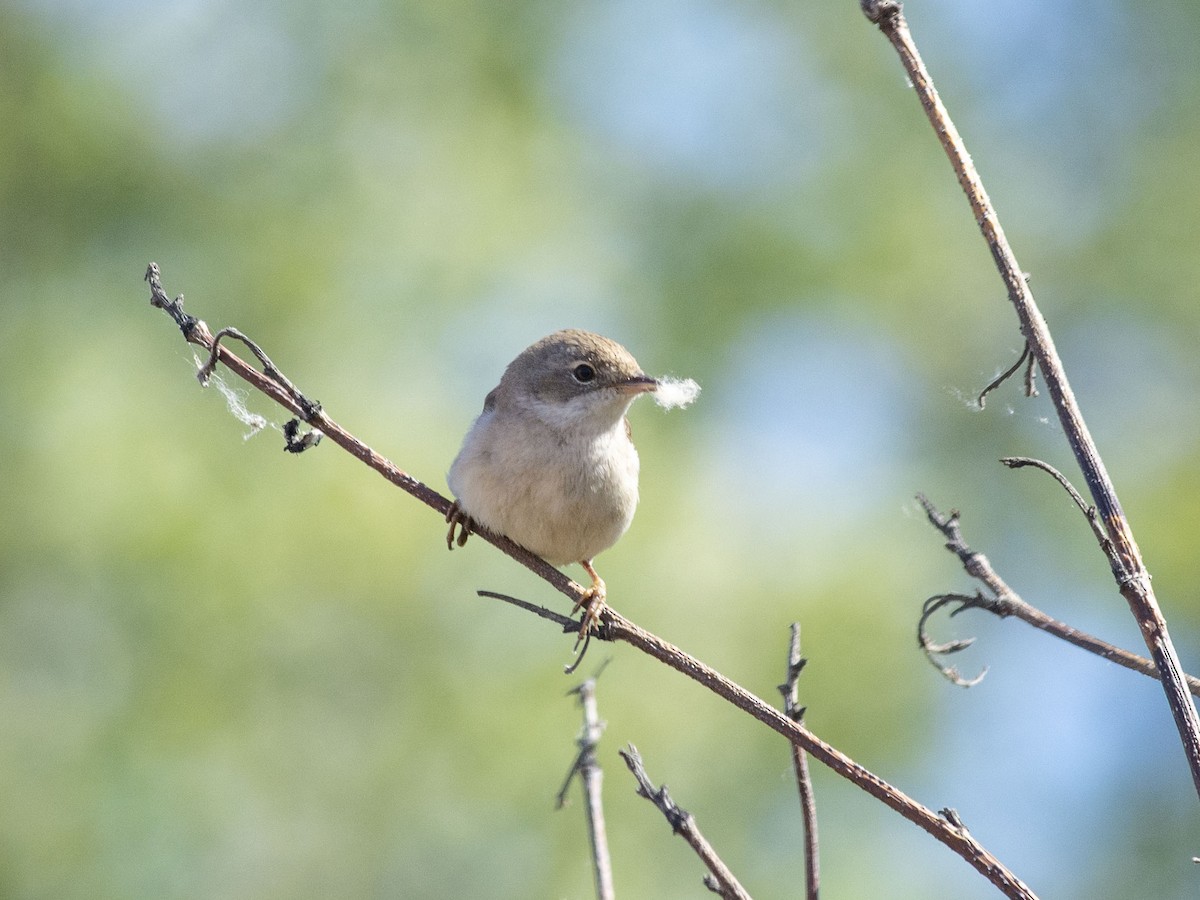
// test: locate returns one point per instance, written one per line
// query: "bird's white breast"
(565, 493)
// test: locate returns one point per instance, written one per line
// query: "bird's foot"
(462, 522)
(592, 603)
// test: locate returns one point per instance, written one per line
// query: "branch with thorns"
(790, 689)
(720, 880)
(591, 776)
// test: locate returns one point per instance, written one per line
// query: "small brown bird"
(549, 462)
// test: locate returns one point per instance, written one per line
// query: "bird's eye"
(583, 373)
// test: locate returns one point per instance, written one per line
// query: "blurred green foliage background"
(225, 672)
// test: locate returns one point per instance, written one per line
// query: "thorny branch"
(720, 880)
(790, 689)
(1002, 602)
(591, 776)
(614, 626)
(1132, 577)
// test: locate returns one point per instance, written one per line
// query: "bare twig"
(790, 689)
(568, 625)
(1026, 358)
(613, 626)
(566, 622)
(1089, 512)
(591, 776)
(721, 880)
(1004, 602)
(1133, 580)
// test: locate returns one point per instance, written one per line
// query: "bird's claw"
(462, 522)
(593, 604)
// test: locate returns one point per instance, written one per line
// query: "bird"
(550, 462)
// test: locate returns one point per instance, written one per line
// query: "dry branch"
(1004, 602)
(790, 689)
(1133, 580)
(721, 880)
(612, 626)
(591, 776)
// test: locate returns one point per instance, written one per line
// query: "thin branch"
(1026, 359)
(294, 441)
(566, 622)
(790, 689)
(1089, 512)
(195, 331)
(721, 880)
(592, 777)
(613, 626)
(1004, 602)
(616, 627)
(1133, 580)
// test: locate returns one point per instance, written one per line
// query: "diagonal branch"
(195, 331)
(612, 625)
(721, 880)
(1133, 580)
(617, 627)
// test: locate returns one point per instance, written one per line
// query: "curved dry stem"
(934, 651)
(1089, 512)
(1026, 359)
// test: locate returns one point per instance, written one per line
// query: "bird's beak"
(639, 384)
